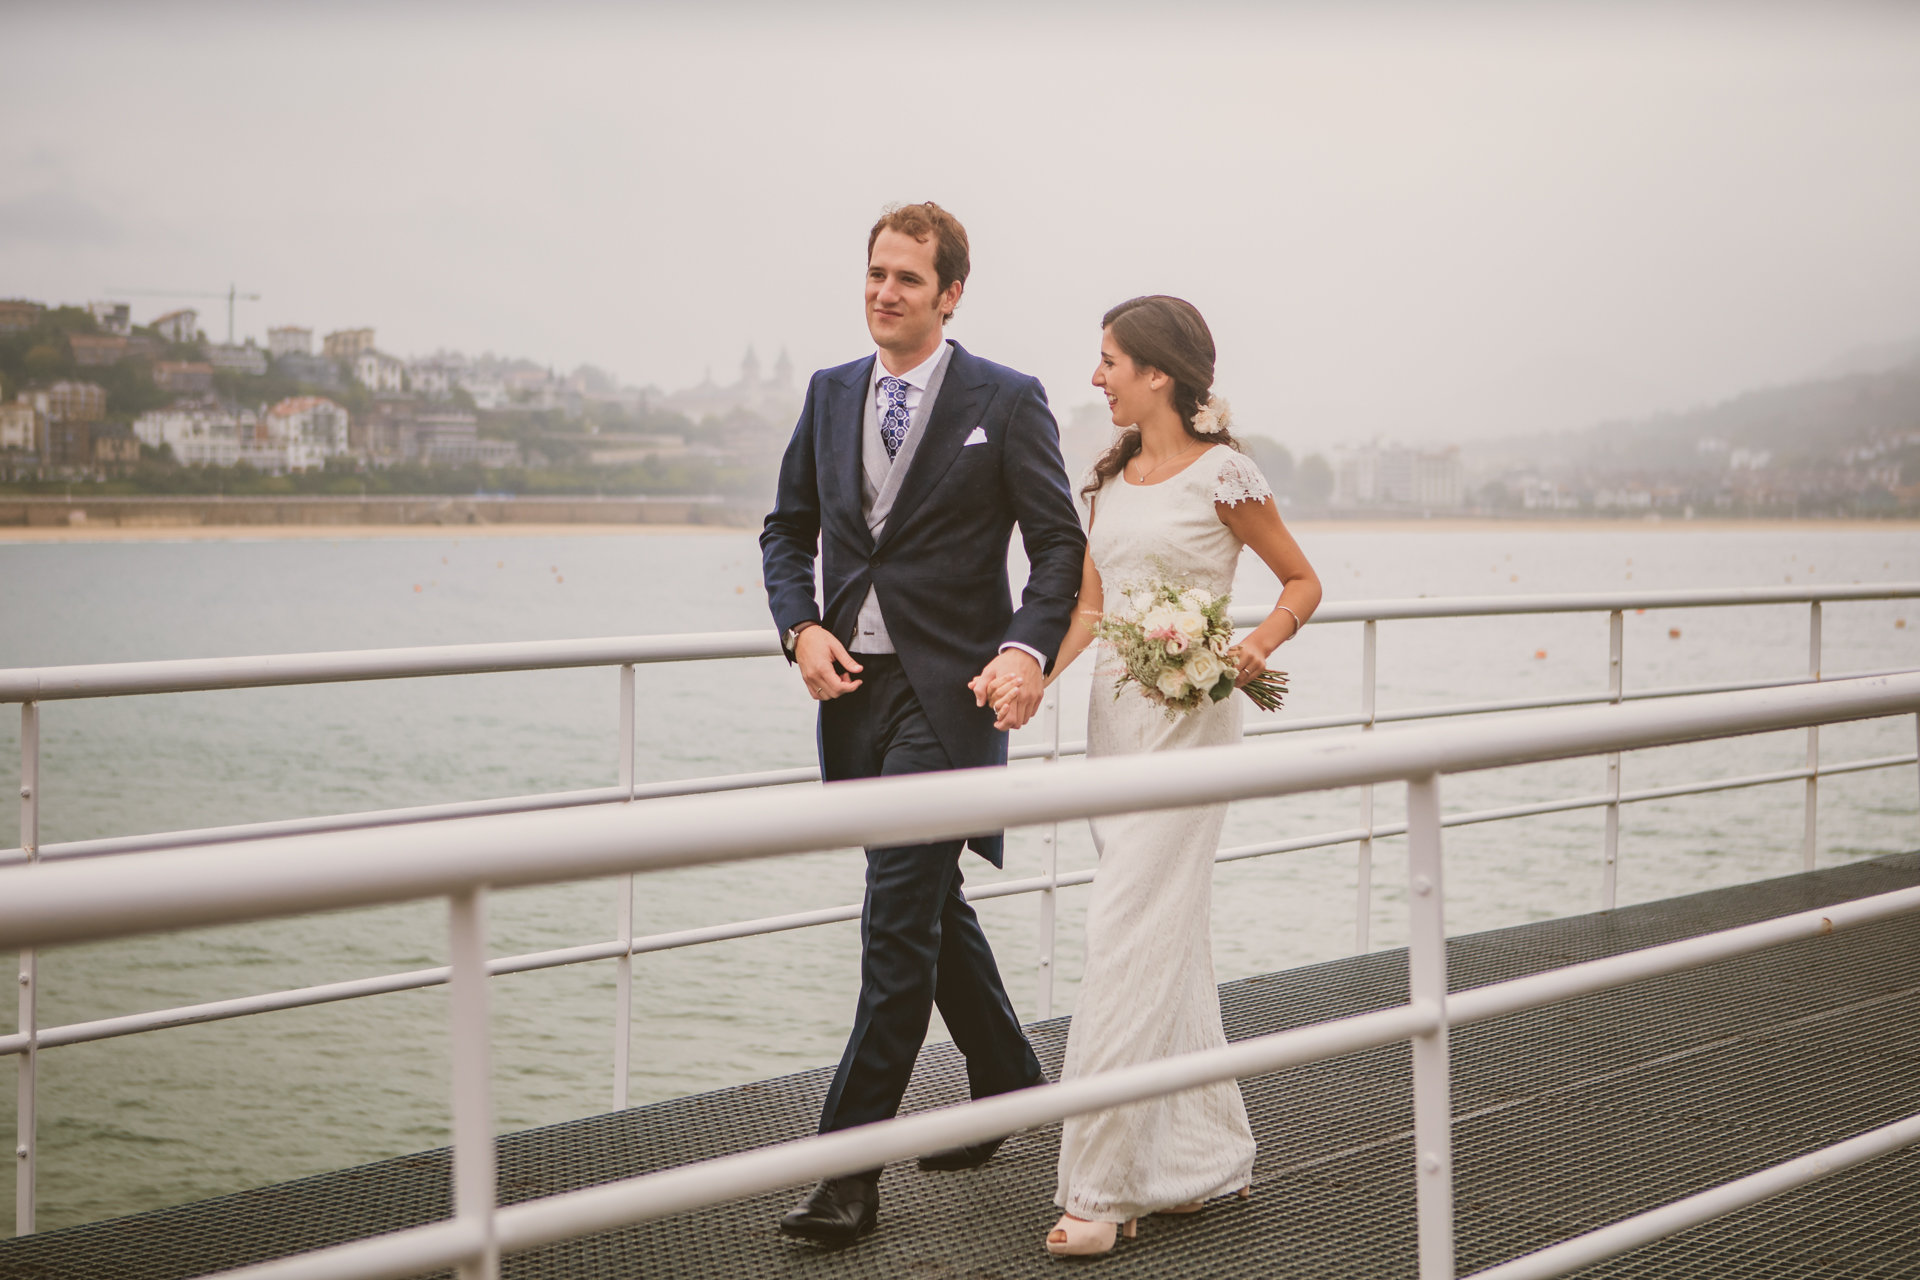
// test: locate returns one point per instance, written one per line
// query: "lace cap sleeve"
(1239, 481)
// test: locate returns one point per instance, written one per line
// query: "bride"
(1171, 496)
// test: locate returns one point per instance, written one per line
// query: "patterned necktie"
(893, 420)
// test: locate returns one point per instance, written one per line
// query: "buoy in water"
(1673, 633)
(1539, 653)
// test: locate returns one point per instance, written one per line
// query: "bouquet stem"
(1268, 690)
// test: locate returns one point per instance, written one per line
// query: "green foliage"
(1907, 457)
(1313, 482)
(46, 361)
(130, 388)
(70, 320)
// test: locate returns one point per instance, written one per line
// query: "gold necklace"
(1164, 461)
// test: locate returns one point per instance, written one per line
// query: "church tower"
(783, 371)
(750, 370)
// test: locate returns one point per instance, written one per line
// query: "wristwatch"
(792, 637)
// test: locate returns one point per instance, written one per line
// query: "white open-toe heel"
(1076, 1237)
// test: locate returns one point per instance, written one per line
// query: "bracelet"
(1291, 614)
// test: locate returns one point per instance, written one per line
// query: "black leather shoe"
(839, 1211)
(961, 1157)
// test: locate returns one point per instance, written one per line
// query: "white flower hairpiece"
(1214, 417)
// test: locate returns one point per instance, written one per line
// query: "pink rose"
(1176, 643)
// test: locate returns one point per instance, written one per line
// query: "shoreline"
(157, 532)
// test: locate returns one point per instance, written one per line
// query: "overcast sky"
(1433, 223)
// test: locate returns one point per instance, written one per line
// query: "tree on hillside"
(1314, 481)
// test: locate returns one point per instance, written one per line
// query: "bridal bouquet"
(1173, 640)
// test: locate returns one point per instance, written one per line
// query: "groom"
(908, 470)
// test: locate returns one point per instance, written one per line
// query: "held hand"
(1013, 685)
(815, 652)
(1249, 658)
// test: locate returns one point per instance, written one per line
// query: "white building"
(310, 428)
(1540, 494)
(487, 393)
(378, 371)
(206, 433)
(21, 427)
(433, 378)
(240, 359)
(453, 439)
(290, 340)
(178, 326)
(775, 399)
(1393, 475)
(112, 317)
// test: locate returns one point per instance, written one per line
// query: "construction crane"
(232, 295)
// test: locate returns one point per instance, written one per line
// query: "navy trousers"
(920, 943)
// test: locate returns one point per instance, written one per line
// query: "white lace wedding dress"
(1149, 988)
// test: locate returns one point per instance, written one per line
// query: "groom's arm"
(791, 535)
(1036, 478)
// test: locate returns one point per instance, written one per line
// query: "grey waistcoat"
(880, 483)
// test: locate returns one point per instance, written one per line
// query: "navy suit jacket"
(939, 567)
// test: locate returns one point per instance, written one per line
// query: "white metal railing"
(88, 899)
(33, 686)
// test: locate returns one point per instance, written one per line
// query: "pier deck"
(1565, 1118)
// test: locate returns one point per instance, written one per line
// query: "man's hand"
(1012, 683)
(815, 651)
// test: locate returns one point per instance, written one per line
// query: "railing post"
(1813, 745)
(1049, 858)
(623, 915)
(26, 1144)
(1363, 905)
(1610, 868)
(1427, 986)
(473, 1168)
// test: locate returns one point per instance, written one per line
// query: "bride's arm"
(1086, 612)
(1258, 525)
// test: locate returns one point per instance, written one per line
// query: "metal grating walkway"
(1566, 1118)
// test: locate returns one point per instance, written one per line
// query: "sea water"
(176, 1115)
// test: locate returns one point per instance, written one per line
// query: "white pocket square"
(979, 436)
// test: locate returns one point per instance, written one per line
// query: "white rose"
(1190, 624)
(1158, 618)
(1172, 682)
(1196, 598)
(1204, 669)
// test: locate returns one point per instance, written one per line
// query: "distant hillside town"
(86, 394)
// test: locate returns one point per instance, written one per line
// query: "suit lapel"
(955, 411)
(846, 407)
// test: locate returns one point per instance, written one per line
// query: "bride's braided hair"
(1168, 334)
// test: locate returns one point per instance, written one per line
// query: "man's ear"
(950, 300)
